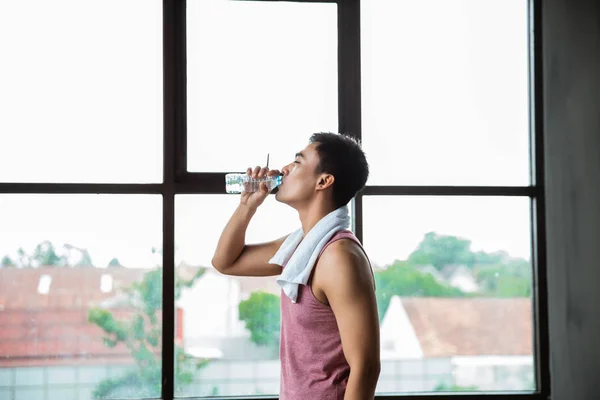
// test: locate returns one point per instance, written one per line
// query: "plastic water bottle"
(238, 183)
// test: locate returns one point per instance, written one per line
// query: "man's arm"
(347, 281)
(232, 255)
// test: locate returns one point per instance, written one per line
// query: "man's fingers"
(264, 188)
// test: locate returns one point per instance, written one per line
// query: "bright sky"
(444, 102)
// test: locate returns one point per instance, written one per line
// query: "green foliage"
(403, 279)
(86, 259)
(146, 383)
(7, 262)
(445, 387)
(442, 250)
(117, 331)
(114, 263)
(262, 317)
(483, 258)
(24, 259)
(46, 254)
(496, 273)
(512, 279)
(141, 335)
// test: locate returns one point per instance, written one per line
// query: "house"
(421, 327)
(44, 319)
(44, 315)
(44, 310)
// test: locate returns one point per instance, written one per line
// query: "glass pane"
(454, 292)
(79, 101)
(80, 296)
(262, 76)
(227, 327)
(445, 91)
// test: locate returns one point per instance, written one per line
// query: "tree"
(45, 254)
(498, 257)
(141, 336)
(261, 314)
(24, 259)
(442, 250)
(7, 262)
(85, 260)
(403, 279)
(513, 279)
(496, 274)
(114, 263)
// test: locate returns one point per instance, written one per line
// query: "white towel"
(298, 268)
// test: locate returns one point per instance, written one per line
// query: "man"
(330, 334)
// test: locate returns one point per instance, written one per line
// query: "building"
(50, 346)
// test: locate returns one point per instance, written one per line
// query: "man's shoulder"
(343, 254)
(344, 268)
(345, 242)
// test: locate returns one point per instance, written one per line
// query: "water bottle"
(238, 183)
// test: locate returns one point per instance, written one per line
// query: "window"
(80, 102)
(454, 292)
(446, 91)
(112, 190)
(80, 295)
(265, 90)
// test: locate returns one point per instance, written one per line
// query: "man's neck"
(311, 215)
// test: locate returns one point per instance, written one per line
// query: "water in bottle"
(238, 183)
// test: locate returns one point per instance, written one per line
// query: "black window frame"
(177, 180)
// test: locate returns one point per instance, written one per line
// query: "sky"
(445, 102)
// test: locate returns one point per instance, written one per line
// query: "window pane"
(445, 91)
(454, 292)
(80, 296)
(81, 91)
(231, 324)
(262, 76)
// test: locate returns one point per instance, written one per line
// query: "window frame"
(177, 180)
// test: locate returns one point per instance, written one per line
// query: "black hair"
(341, 155)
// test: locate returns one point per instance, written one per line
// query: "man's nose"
(285, 170)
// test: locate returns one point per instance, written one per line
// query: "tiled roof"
(55, 337)
(72, 288)
(471, 326)
(52, 328)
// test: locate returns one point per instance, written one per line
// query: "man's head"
(332, 166)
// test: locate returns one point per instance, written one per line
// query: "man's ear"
(325, 181)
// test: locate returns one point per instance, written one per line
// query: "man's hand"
(253, 200)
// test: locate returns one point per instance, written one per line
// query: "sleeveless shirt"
(313, 365)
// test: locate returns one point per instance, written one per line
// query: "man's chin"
(279, 198)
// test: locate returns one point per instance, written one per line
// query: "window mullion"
(174, 70)
(349, 85)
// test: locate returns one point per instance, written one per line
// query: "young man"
(330, 332)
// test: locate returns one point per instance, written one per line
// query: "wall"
(256, 377)
(571, 54)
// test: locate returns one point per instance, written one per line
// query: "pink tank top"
(313, 365)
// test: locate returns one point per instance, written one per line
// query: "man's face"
(300, 177)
